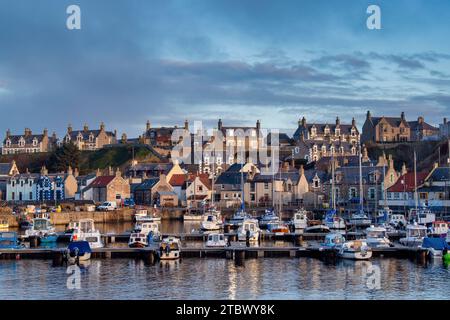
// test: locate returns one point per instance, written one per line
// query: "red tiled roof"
(177, 180)
(102, 181)
(409, 182)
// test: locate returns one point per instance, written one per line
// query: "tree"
(63, 157)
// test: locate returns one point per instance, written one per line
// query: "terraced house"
(317, 140)
(88, 139)
(28, 142)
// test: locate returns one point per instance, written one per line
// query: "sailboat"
(212, 218)
(270, 217)
(384, 214)
(331, 220)
(360, 219)
(240, 215)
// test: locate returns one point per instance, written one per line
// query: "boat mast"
(361, 201)
(213, 175)
(416, 200)
(333, 196)
(242, 182)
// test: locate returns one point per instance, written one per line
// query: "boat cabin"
(416, 231)
(439, 228)
(8, 240)
(376, 232)
(334, 239)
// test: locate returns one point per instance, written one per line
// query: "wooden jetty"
(237, 251)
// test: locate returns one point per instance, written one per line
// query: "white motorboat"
(268, 217)
(138, 240)
(423, 216)
(78, 251)
(41, 227)
(377, 237)
(210, 223)
(300, 220)
(359, 219)
(398, 221)
(170, 248)
(87, 232)
(439, 229)
(318, 228)
(216, 240)
(249, 230)
(356, 250)
(415, 234)
(150, 230)
(435, 246)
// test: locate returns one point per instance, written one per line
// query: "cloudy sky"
(239, 60)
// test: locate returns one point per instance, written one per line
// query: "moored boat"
(318, 228)
(210, 223)
(355, 250)
(138, 240)
(216, 240)
(415, 234)
(9, 240)
(78, 251)
(435, 246)
(300, 220)
(376, 237)
(249, 230)
(86, 232)
(439, 229)
(170, 248)
(278, 228)
(43, 229)
(333, 221)
(333, 240)
(267, 218)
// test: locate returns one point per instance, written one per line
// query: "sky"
(239, 60)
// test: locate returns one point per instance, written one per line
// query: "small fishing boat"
(71, 227)
(249, 230)
(435, 246)
(267, 218)
(439, 229)
(86, 232)
(359, 219)
(138, 240)
(318, 228)
(9, 240)
(300, 220)
(4, 224)
(150, 229)
(355, 250)
(415, 234)
(78, 251)
(423, 216)
(210, 223)
(170, 248)
(333, 240)
(216, 240)
(278, 228)
(42, 228)
(377, 237)
(332, 221)
(398, 221)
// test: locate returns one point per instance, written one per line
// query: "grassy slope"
(89, 160)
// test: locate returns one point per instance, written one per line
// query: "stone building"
(28, 142)
(88, 139)
(110, 188)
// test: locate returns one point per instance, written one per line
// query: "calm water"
(194, 278)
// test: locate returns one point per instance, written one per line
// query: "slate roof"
(320, 129)
(393, 121)
(416, 125)
(147, 184)
(440, 174)
(5, 168)
(28, 139)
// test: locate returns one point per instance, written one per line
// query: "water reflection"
(269, 278)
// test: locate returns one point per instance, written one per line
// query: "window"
(372, 193)
(13, 196)
(13, 183)
(8, 143)
(31, 196)
(118, 196)
(35, 142)
(352, 193)
(266, 185)
(337, 132)
(21, 183)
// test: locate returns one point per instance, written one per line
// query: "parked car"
(107, 206)
(128, 202)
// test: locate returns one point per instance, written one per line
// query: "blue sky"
(167, 61)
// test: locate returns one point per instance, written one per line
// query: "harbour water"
(194, 278)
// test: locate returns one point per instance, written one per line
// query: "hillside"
(117, 156)
(427, 153)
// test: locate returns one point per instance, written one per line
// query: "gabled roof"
(416, 125)
(101, 181)
(408, 185)
(393, 121)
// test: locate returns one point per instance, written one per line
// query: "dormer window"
(35, 142)
(8, 143)
(353, 132)
(313, 131)
(79, 138)
(91, 138)
(353, 150)
(21, 142)
(337, 132)
(67, 138)
(327, 130)
(332, 149)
